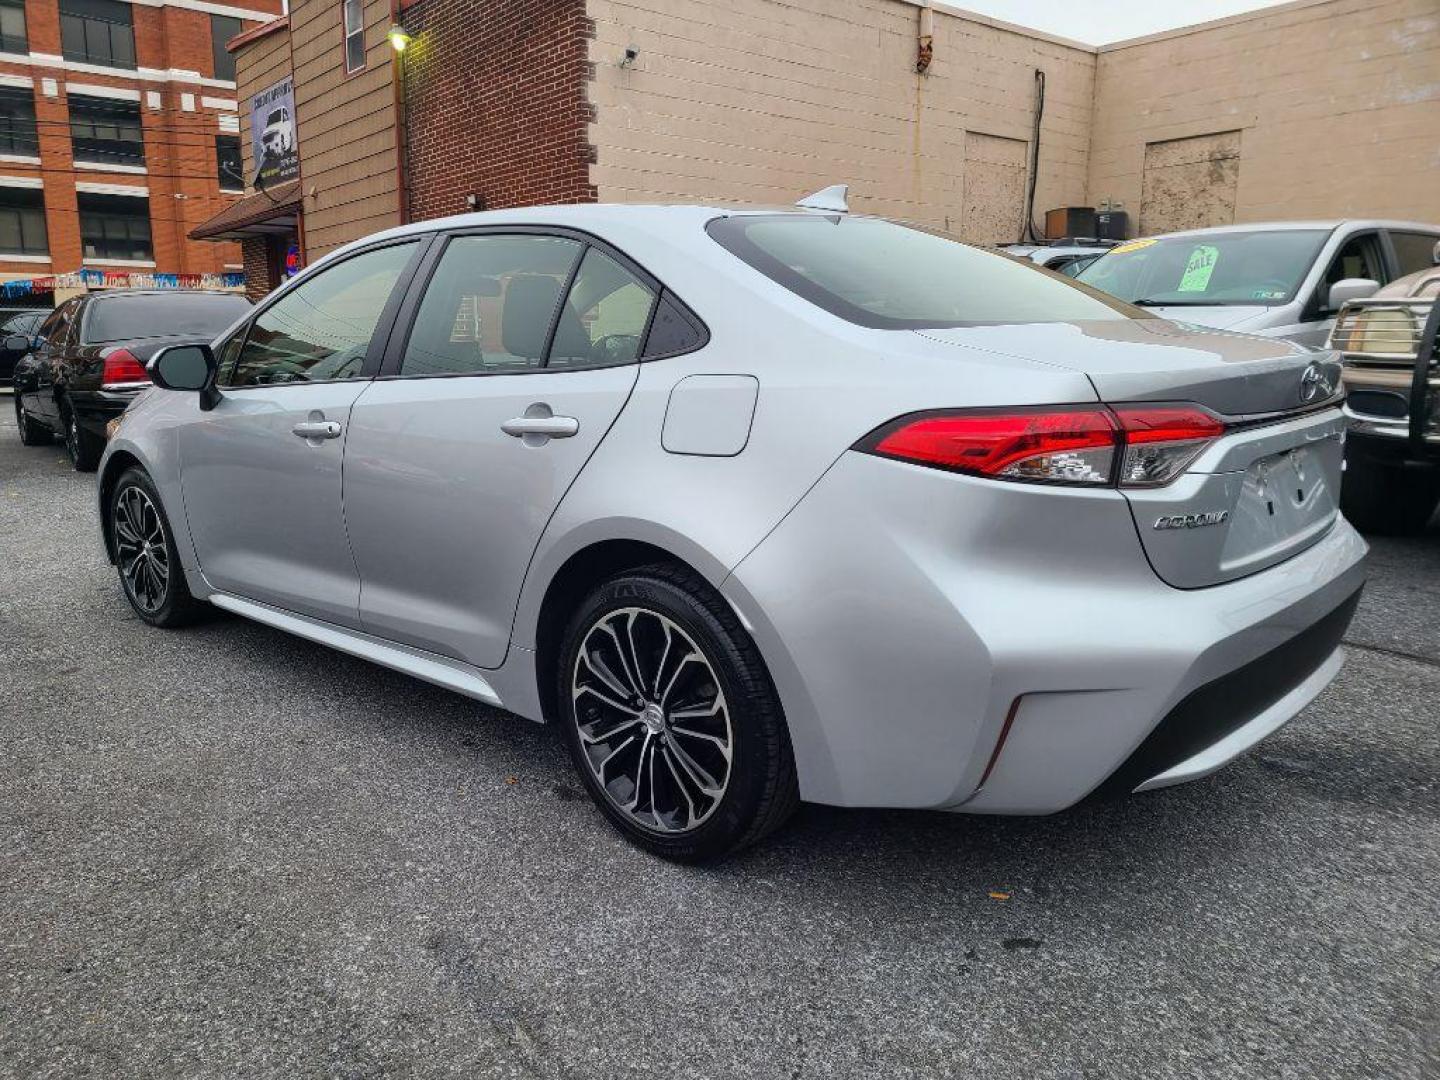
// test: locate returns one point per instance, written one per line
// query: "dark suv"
(88, 360)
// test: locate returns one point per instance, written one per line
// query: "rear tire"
(1389, 499)
(662, 694)
(32, 432)
(84, 449)
(145, 556)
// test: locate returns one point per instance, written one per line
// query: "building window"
(106, 132)
(222, 29)
(22, 222)
(354, 34)
(114, 227)
(12, 27)
(17, 122)
(227, 162)
(97, 32)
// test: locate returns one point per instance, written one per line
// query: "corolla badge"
(1315, 385)
(1192, 521)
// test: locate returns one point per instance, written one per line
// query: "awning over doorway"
(273, 212)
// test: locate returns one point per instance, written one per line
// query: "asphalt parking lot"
(225, 852)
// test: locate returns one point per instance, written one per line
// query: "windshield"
(1262, 267)
(893, 277)
(149, 315)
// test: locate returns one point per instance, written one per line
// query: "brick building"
(932, 114)
(118, 134)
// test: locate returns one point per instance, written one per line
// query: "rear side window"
(127, 318)
(489, 305)
(604, 317)
(1415, 251)
(886, 276)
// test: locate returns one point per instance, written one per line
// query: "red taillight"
(122, 369)
(1095, 445)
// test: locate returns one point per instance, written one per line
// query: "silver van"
(1279, 279)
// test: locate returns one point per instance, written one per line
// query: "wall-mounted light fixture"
(399, 37)
(628, 60)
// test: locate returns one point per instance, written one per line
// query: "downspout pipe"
(1028, 232)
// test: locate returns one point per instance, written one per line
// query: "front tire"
(32, 432)
(150, 573)
(671, 718)
(84, 448)
(1388, 499)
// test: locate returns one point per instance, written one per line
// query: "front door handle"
(540, 424)
(317, 429)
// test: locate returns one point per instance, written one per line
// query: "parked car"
(1068, 256)
(760, 506)
(1278, 279)
(16, 322)
(1392, 373)
(89, 355)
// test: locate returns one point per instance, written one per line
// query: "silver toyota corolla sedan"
(760, 506)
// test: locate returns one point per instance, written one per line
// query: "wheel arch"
(580, 572)
(114, 466)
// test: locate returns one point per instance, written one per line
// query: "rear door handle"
(540, 424)
(554, 427)
(317, 429)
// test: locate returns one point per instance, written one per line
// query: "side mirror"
(17, 343)
(1351, 289)
(187, 367)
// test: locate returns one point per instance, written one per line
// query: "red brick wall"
(260, 276)
(495, 104)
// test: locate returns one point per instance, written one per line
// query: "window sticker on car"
(1198, 269)
(1268, 294)
(1133, 245)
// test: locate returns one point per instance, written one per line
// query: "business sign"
(272, 134)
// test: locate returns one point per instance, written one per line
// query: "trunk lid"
(1266, 490)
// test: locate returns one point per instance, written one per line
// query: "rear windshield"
(887, 276)
(1204, 269)
(150, 315)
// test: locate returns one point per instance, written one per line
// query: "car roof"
(1296, 226)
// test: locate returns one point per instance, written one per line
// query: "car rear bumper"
(946, 642)
(96, 408)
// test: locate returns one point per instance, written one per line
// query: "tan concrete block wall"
(1337, 104)
(763, 101)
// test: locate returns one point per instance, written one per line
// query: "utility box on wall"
(1069, 221)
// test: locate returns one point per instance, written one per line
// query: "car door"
(260, 471)
(52, 341)
(522, 352)
(1360, 255)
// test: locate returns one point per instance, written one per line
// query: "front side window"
(227, 163)
(321, 329)
(887, 276)
(354, 34)
(489, 305)
(115, 227)
(1415, 251)
(222, 29)
(22, 222)
(97, 32)
(1265, 266)
(604, 316)
(13, 38)
(106, 131)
